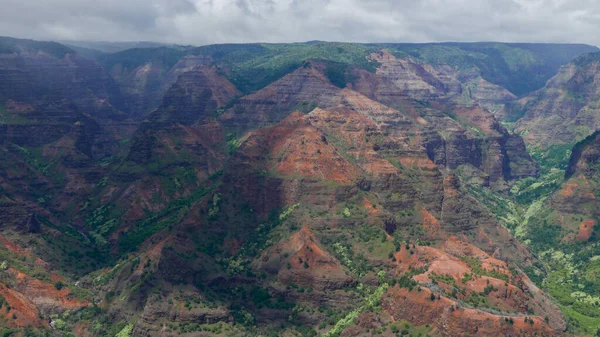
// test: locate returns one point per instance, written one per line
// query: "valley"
(307, 189)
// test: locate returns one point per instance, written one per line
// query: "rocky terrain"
(565, 110)
(310, 189)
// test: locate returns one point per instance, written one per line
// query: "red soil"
(353, 128)
(20, 251)
(586, 229)
(369, 206)
(303, 262)
(568, 189)
(23, 309)
(431, 224)
(43, 293)
(451, 320)
(300, 149)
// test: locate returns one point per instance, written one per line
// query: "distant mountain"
(517, 68)
(113, 47)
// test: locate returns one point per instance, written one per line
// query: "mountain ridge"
(322, 188)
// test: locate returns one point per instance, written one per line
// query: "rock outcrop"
(565, 111)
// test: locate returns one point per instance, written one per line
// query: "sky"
(200, 22)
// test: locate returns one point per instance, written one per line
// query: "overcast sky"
(199, 22)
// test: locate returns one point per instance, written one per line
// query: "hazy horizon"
(202, 22)
(157, 43)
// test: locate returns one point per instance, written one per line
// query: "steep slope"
(145, 75)
(519, 67)
(397, 79)
(415, 183)
(566, 110)
(556, 216)
(30, 290)
(60, 125)
(462, 133)
(176, 148)
(59, 119)
(302, 89)
(36, 71)
(184, 127)
(573, 205)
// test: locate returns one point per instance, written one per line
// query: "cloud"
(200, 22)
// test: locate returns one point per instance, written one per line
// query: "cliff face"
(566, 110)
(44, 94)
(303, 89)
(39, 76)
(576, 200)
(462, 130)
(144, 86)
(397, 79)
(185, 122)
(177, 146)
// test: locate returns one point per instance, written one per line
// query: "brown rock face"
(303, 90)
(565, 111)
(400, 79)
(302, 247)
(457, 263)
(24, 311)
(576, 201)
(457, 128)
(45, 296)
(194, 97)
(183, 122)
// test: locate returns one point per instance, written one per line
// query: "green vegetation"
(370, 303)
(273, 61)
(126, 331)
(478, 270)
(519, 67)
(8, 118)
(254, 66)
(404, 328)
(447, 279)
(10, 45)
(170, 216)
(567, 269)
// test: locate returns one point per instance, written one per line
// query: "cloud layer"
(200, 22)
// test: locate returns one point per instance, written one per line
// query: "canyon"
(309, 189)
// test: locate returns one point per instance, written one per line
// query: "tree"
(126, 331)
